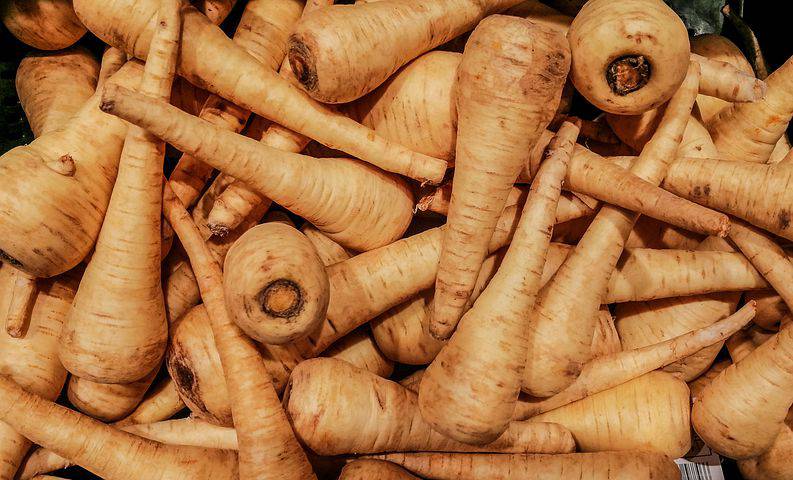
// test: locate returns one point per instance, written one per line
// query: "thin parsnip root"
(42, 24)
(615, 67)
(267, 443)
(52, 87)
(32, 361)
(186, 431)
(275, 284)
(648, 413)
(20, 296)
(627, 465)
(719, 48)
(337, 408)
(102, 449)
(611, 370)
(563, 321)
(116, 331)
(504, 55)
(341, 53)
(251, 85)
(743, 410)
(374, 215)
(726, 82)
(469, 391)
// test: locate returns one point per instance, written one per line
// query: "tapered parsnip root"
(116, 331)
(187, 431)
(470, 390)
(628, 57)
(611, 370)
(362, 56)
(564, 319)
(276, 287)
(374, 215)
(71, 203)
(42, 24)
(771, 309)
(726, 82)
(628, 465)
(732, 186)
(367, 468)
(102, 449)
(719, 48)
(32, 361)
(19, 299)
(258, 89)
(267, 443)
(337, 408)
(501, 118)
(743, 410)
(648, 413)
(52, 87)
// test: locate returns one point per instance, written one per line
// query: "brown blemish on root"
(784, 219)
(6, 258)
(303, 63)
(627, 74)
(187, 381)
(281, 298)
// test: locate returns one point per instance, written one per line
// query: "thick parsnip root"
(648, 413)
(749, 131)
(469, 391)
(42, 24)
(628, 465)
(564, 319)
(337, 408)
(615, 66)
(374, 214)
(266, 441)
(107, 401)
(116, 331)
(500, 118)
(339, 54)
(742, 411)
(276, 287)
(724, 81)
(608, 371)
(251, 84)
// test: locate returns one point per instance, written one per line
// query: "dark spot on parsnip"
(627, 74)
(6, 258)
(784, 219)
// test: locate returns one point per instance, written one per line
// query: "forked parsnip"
(267, 443)
(611, 370)
(275, 284)
(749, 131)
(373, 214)
(116, 331)
(341, 53)
(66, 177)
(102, 449)
(53, 86)
(42, 24)
(336, 408)
(615, 66)
(262, 31)
(509, 84)
(731, 187)
(628, 465)
(32, 361)
(469, 391)
(563, 321)
(647, 413)
(205, 60)
(743, 410)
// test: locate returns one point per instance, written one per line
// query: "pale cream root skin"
(42, 24)
(32, 361)
(470, 389)
(359, 348)
(260, 90)
(526, 64)
(102, 449)
(354, 223)
(743, 410)
(367, 469)
(604, 32)
(106, 401)
(92, 140)
(647, 413)
(329, 251)
(52, 87)
(628, 465)
(323, 393)
(771, 309)
(362, 60)
(276, 287)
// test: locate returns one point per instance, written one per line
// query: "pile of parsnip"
(572, 295)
